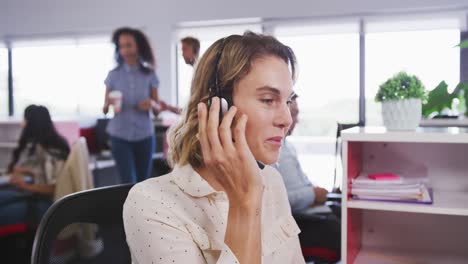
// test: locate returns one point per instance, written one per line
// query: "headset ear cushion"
(224, 105)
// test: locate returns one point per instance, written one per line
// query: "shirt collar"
(129, 68)
(286, 146)
(190, 182)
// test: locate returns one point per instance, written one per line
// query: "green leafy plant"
(463, 44)
(440, 98)
(401, 86)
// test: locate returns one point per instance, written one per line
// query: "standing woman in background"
(132, 130)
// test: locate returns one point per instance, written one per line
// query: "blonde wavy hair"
(238, 53)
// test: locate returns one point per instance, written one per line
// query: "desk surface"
(95, 163)
(4, 180)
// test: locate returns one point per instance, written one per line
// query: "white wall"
(23, 18)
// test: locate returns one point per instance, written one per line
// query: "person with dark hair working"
(301, 192)
(190, 50)
(41, 155)
(318, 230)
(132, 90)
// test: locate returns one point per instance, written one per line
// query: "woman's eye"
(267, 101)
(289, 102)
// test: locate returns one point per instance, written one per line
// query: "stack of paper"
(398, 190)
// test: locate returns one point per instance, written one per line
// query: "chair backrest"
(76, 175)
(340, 127)
(102, 207)
(101, 136)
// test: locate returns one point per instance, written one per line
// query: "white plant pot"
(402, 114)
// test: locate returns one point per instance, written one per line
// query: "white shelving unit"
(447, 203)
(395, 233)
(445, 122)
(370, 255)
(420, 135)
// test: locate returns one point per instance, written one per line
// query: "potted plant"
(401, 96)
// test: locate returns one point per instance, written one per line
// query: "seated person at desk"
(220, 204)
(302, 193)
(316, 230)
(41, 154)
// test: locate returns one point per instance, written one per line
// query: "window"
(207, 36)
(422, 48)
(64, 75)
(3, 81)
(328, 84)
(328, 89)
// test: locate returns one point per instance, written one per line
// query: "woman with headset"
(223, 202)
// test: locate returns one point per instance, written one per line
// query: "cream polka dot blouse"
(180, 218)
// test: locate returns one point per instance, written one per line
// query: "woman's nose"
(284, 118)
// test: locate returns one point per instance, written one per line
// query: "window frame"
(417, 20)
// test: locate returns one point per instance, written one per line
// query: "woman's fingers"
(202, 135)
(212, 127)
(225, 132)
(239, 135)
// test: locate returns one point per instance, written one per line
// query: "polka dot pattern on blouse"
(180, 218)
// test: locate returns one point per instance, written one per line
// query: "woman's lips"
(276, 141)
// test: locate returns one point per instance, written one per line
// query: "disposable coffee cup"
(115, 98)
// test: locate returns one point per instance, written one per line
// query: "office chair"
(328, 250)
(320, 237)
(102, 207)
(16, 239)
(102, 139)
(340, 127)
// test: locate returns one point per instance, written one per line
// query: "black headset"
(215, 90)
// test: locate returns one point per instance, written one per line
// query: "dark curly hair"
(145, 53)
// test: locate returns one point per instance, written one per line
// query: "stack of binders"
(391, 187)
